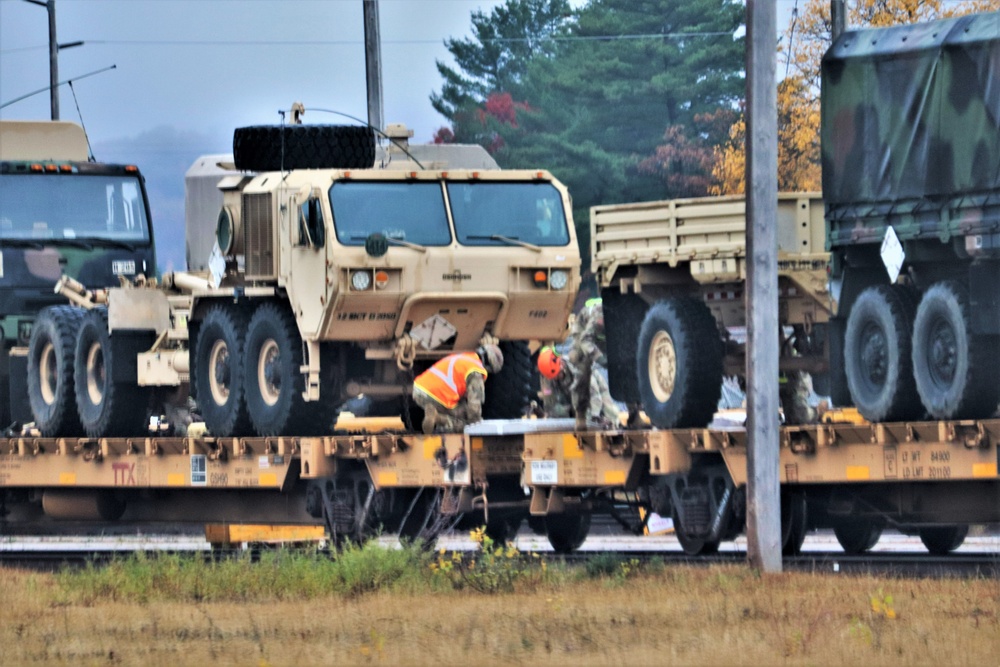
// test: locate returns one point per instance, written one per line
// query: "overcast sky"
(190, 71)
(212, 65)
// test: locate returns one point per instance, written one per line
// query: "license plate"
(123, 267)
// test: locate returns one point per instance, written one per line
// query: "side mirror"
(312, 230)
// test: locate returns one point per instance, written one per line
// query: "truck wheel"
(857, 535)
(955, 372)
(567, 532)
(877, 355)
(285, 147)
(50, 371)
(942, 540)
(679, 363)
(273, 382)
(509, 391)
(107, 409)
(219, 372)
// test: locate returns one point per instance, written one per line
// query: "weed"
(494, 569)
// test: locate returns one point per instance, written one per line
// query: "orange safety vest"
(445, 381)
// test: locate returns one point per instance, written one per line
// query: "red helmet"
(549, 362)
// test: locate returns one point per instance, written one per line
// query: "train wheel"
(219, 372)
(691, 544)
(857, 535)
(107, 408)
(503, 529)
(955, 373)
(679, 364)
(793, 523)
(877, 355)
(50, 371)
(567, 532)
(944, 539)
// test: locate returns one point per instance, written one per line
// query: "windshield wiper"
(113, 243)
(392, 241)
(509, 240)
(23, 243)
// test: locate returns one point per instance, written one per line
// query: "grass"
(372, 605)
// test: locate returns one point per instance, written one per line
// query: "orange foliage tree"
(801, 50)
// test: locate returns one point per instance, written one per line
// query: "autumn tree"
(802, 48)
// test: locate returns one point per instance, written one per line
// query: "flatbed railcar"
(927, 478)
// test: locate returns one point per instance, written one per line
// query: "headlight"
(361, 280)
(558, 279)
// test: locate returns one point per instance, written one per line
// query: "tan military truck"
(334, 278)
(672, 277)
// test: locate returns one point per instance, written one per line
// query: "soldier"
(586, 350)
(452, 391)
(558, 376)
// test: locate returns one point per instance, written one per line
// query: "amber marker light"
(381, 279)
(51, 168)
(541, 278)
(35, 167)
(132, 169)
(65, 168)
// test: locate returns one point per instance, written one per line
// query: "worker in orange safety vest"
(452, 391)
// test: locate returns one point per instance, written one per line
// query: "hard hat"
(491, 357)
(549, 362)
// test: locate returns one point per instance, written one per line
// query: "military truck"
(672, 276)
(911, 148)
(60, 214)
(331, 279)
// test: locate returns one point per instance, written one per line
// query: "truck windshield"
(72, 206)
(412, 212)
(528, 212)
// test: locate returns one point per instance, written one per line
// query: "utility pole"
(838, 19)
(50, 5)
(763, 488)
(373, 64)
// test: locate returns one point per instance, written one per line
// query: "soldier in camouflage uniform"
(557, 393)
(590, 390)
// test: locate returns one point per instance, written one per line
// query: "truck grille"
(258, 231)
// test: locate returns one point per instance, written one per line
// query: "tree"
(505, 42)
(685, 161)
(805, 42)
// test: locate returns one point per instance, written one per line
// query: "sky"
(187, 72)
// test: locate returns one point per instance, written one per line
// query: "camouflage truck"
(334, 278)
(911, 179)
(672, 278)
(60, 214)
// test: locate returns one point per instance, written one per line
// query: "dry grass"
(652, 616)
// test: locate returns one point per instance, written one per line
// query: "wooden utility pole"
(50, 6)
(763, 488)
(373, 64)
(838, 19)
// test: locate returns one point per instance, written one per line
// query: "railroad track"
(57, 556)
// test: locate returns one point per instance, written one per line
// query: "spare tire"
(285, 147)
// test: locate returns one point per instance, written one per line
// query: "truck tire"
(877, 357)
(285, 147)
(219, 372)
(107, 409)
(508, 392)
(50, 371)
(955, 372)
(679, 363)
(274, 384)
(942, 540)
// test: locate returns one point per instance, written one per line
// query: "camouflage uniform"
(557, 396)
(439, 419)
(589, 391)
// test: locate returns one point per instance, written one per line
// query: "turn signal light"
(541, 278)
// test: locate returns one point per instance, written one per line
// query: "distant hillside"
(163, 155)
